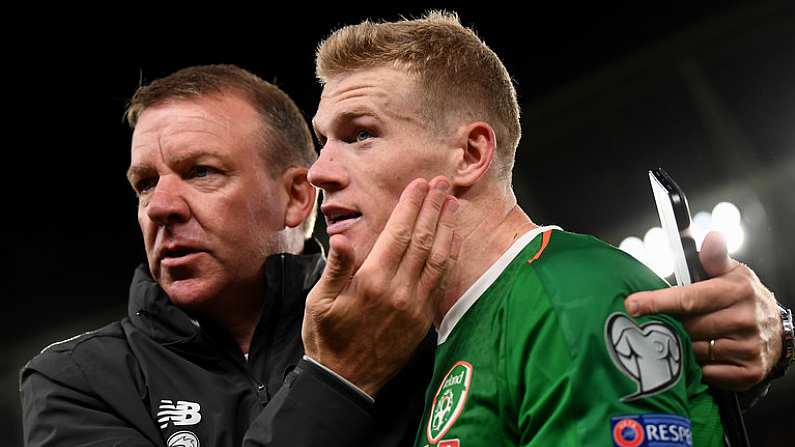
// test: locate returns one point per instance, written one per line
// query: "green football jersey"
(540, 352)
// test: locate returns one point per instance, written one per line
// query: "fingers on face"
(430, 242)
(445, 248)
(388, 250)
(419, 240)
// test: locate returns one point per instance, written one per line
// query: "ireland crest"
(448, 403)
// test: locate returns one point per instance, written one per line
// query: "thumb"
(714, 255)
(339, 267)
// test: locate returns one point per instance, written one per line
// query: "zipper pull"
(262, 394)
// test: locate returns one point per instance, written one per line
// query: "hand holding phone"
(675, 219)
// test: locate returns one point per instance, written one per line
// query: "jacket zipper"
(259, 388)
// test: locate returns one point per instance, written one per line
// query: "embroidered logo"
(649, 354)
(181, 413)
(627, 433)
(448, 403)
(183, 439)
(647, 430)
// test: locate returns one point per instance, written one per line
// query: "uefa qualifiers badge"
(649, 354)
(448, 403)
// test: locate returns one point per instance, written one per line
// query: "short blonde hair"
(457, 70)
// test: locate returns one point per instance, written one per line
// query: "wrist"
(365, 393)
(787, 343)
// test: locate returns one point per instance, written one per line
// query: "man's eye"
(201, 171)
(362, 135)
(144, 185)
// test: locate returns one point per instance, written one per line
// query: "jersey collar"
(470, 297)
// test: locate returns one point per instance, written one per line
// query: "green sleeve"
(579, 366)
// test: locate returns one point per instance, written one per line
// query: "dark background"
(704, 89)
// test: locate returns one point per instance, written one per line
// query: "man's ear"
(478, 142)
(300, 196)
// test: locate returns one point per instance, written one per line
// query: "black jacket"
(159, 378)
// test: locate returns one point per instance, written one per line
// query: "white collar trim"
(470, 297)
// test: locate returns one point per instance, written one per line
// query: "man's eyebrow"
(346, 115)
(137, 171)
(356, 113)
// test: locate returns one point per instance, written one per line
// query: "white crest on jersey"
(649, 354)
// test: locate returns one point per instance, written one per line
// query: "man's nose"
(328, 173)
(167, 204)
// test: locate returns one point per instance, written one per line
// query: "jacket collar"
(288, 278)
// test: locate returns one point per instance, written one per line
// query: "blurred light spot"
(725, 214)
(726, 219)
(699, 227)
(658, 252)
(634, 246)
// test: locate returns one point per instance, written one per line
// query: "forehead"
(212, 119)
(380, 90)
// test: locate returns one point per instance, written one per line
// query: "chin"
(190, 294)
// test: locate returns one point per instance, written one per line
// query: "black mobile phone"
(675, 219)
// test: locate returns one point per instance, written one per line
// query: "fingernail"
(633, 308)
(452, 204)
(442, 185)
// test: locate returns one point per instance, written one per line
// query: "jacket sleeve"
(312, 408)
(59, 408)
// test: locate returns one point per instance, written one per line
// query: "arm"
(331, 413)
(619, 378)
(733, 308)
(312, 408)
(64, 411)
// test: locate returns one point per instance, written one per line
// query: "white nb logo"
(181, 413)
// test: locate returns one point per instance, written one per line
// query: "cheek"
(250, 218)
(147, 229)
(266, 209)
(383, 204)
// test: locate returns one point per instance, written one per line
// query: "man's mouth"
(343, 217)
(178, 255)
(339, 219)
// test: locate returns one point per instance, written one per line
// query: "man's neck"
(238, 313)
(240, 319)
(487, 234)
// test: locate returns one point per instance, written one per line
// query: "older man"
(218, 160)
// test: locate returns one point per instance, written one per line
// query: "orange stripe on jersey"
(544, 241)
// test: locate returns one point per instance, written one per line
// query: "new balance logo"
(181, 413)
